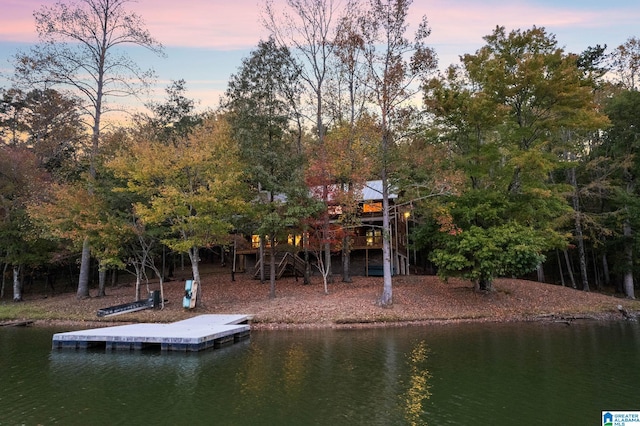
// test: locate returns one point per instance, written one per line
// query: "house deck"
(190, 335)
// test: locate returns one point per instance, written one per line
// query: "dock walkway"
(190, 335)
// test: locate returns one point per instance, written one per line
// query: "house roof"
(373, 191)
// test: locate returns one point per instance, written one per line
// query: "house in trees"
(364, 238)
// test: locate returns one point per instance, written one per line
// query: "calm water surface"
(481, 374)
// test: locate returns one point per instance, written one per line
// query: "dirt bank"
(417, 299)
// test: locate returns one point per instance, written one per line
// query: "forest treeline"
(519, 158)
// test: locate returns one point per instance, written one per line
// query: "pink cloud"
(220, 24)
(458, 26)
(231, 24)
(16, 23)
(469, 21)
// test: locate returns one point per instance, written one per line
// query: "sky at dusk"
(205, 40)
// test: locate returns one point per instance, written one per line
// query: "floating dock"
(190, 335)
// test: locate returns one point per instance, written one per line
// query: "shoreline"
(363, 325)
(418, 300)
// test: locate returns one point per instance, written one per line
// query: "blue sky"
(205, 40)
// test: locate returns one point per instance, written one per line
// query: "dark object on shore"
(16, 323)
(152, 302)
(632, 316)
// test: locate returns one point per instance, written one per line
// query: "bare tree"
(80, 49)
(306, 27)
(625, 63)
(348, 101)
(396, 65)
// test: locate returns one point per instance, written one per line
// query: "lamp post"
(407, 214)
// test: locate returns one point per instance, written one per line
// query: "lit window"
(372, 207)
(374, 236)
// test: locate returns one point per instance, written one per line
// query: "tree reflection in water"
(419, 388)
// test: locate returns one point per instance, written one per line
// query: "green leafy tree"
(54, 131)
(12, 108)
(620, 147)
(48, 123)
(196, 187)
(260, 112)
(578, 145)
(480, 254)
(173, 119)
(504, 114)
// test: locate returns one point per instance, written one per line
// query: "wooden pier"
(190, 335)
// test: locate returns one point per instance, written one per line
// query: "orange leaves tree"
(337, 172)
(70, 215)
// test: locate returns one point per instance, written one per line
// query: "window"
(374, 236)
(372, 207)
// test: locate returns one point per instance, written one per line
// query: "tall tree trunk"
(578, 229)
(307, 262)
(560, 268)
(17, 284)
(327, 259)
(327, 237)
(138, 281)
(85, 259)
(272, 267)
(605, 270)
(195, 269)
(161, 292)
(102, 280)
(261, 254)
(628, 258)
(83, 279)
(114, 277)
(386, 299)
(346, 259)
(596, 273)
(570, 269)
(4, 271)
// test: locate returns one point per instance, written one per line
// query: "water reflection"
(294, 369)
(464, 375)
(419, 388)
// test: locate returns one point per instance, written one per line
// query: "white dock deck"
(193, 334)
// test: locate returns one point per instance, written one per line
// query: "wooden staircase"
(286, 264)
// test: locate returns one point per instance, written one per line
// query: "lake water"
(471, 374)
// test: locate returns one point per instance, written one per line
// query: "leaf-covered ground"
(416, 298)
